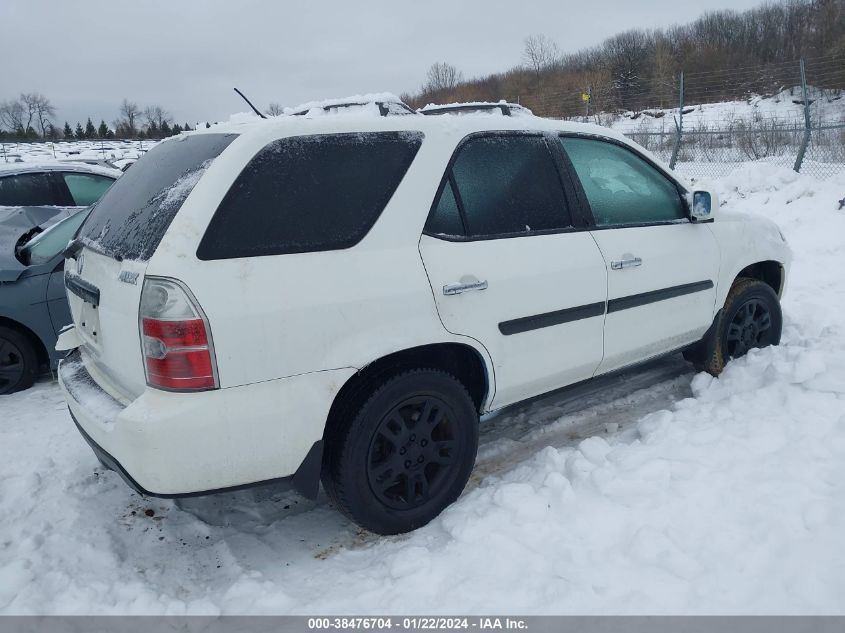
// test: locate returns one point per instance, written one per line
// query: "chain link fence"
(706, 124)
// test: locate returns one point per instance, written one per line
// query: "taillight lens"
(178, 351)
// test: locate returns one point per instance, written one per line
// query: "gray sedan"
(40, 209)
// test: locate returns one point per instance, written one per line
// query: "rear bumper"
(184, 444)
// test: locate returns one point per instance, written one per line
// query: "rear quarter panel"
(282, 315)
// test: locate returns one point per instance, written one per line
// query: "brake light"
(177, 345)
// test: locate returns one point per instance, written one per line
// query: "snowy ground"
(660, 492)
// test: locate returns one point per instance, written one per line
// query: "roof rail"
(385, 108)
(506, 109)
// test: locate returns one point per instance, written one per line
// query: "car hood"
(14, 223)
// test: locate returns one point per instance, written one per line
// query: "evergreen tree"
(186, 128)
(152, 130)
(80, 133)
(165, 129)
(90, 130)
(177, 129)
(103, 130)
(67, 131)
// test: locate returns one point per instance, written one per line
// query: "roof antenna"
(249, 103)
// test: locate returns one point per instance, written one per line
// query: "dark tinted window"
(509, 184)
(133, 215)
(445, 219)
(621, 187)
(26, 190)
(309, 193)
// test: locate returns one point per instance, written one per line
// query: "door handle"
(626, 263)
(458, 288)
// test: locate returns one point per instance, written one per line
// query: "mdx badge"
(128, 277)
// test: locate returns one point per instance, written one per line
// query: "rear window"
(309, 193)
(26, 190)
(131, 218)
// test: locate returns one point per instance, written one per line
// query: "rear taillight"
(177, 346)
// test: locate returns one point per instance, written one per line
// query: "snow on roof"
(369, 98)
(366, 119)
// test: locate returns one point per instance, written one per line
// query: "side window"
(507, 184)
(309, 193)
(26, 190)
(621, 187)
(86, 189)
(445, 218)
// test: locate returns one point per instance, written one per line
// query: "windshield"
(45, 246)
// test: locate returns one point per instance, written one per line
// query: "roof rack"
(507, 109)
(385, 108)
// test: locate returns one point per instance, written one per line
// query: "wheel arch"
(463, 361)
(769, 271)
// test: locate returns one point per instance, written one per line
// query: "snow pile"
(731, 500)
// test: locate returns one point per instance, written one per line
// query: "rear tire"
(18, 361)
(397, 460)
(751, 318)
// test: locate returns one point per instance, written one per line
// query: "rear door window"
(86, 189)
(130, 219)
(501, 185)
(309, 193)
(27, 190)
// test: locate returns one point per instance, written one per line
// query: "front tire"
(405, 454)
(751, 318)
(18, 361)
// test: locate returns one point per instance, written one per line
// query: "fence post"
(806, 140)
(679, 124)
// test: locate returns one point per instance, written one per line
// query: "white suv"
(341, 296)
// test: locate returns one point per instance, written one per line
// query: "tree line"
(640, 69)
(31, 117)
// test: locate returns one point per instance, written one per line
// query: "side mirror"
(701, 205)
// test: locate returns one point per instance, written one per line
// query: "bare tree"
(44, 113)
(540, 53)
(442, 77)
(155, 116)
(29, 103)
(129, 111)
(11, 115)
(275, 109)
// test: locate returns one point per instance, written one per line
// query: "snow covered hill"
(826, 107)
(665, 492)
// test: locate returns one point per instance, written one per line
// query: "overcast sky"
(186, 55)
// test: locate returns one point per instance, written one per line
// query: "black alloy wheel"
(401, 449)
(750, 327)
(412, 451)
(18, 361)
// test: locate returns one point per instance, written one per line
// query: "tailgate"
(104, 295)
